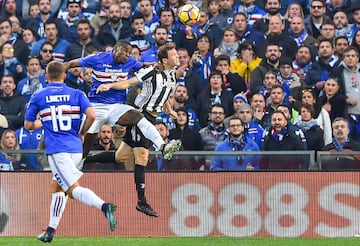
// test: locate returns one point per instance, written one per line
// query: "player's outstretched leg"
(169, 149)
(89, 198)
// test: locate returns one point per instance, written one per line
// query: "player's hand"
(103, 87)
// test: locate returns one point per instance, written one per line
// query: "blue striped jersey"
(105, 70)
(61, 109)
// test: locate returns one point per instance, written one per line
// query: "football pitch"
(166, 241)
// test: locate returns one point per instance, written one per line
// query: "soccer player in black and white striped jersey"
(158, 83)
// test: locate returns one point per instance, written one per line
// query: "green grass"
(174, 241)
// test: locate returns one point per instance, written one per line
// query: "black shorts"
(134, 137)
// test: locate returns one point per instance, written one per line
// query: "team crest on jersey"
(168, 84)
(114, 76)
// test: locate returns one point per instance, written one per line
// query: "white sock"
(87, 196)
(150, 132)
(57, 208)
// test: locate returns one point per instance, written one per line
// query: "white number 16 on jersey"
(60, 121)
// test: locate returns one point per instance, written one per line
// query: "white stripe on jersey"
(72, 111)
(47, 110)
(150, 98)
(48, 117)
(109, 75)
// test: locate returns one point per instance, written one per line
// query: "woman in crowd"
(293, 10)
(229, 45)
(320, 114)
(313, 133)
(33, 10)
(9, 143)
(333, 99)
(46, 54)
(29, 37)
(202, 61)
(10, 65)
(356, 40)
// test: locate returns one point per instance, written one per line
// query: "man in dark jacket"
(341, 143)
(190, 138)
(12, 105)
(244, 31)
(21, 51)
(115, 29)
(204, 26)
(277, 35)
(216, 93)
(316, 18)
(319, 70)
(271, 62)
(281, 138)
(45, 14)
(186, 76)
(78, 48)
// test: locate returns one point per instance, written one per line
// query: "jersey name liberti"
(105, 70)
(57, 98)
(155, 90)
(61, 109)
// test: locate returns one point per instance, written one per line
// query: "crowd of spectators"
(253, 75)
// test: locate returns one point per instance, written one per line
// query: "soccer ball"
(189, 14)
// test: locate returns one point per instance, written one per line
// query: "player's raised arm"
(168, 108)
(71, 64)
(119, 85)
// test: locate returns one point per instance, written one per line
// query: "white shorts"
(107, 114)
(63, 167)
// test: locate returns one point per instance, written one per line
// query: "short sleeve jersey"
(156, 88)
(61, 109)
(106, 71)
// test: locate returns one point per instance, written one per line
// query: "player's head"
(121, 51)
(168, 56)
(55, 72)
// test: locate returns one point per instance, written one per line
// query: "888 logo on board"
(284, 210)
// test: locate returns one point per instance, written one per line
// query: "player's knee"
(55, 187)
(130, 118)
(141, 161)
(141, 156)
(69, 191)
(122, 156)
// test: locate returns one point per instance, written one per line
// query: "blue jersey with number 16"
(61, 109)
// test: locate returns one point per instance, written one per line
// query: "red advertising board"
(237, 204)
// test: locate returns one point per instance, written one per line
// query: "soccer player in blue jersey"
(109, 67)
(158, 82)
(60, 109)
